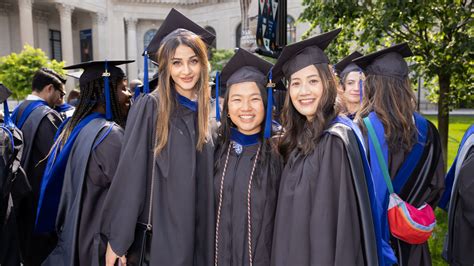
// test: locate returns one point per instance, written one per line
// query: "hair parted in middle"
(301, 133)
(166, 91)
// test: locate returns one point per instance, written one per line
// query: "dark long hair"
(165, 90)
(301, 133)
(268, 157)
(92, 94)
(394, 102)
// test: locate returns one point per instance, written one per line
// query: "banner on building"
(267, 24)
(86, 45)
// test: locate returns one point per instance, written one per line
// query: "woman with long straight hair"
(247, 168)
(410, 143)
(164, 175)
(326, 213)
(82, 164)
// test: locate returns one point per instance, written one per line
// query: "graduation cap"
(387, 62)
(346, 65)
(299, 55)
(4, 94)
(101, 69)
(246, 67)
(174, 21)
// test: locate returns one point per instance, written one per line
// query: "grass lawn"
(457, 126)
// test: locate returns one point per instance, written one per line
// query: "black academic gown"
(89, 172)
(323, 215)
(426, 184)
(233, 228)
(38, 135)
(461, 217)
(183, 201)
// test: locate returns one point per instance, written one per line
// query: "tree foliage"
(17, 70)
(439, 32)
(219, 58)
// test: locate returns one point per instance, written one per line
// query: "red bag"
(410, 224)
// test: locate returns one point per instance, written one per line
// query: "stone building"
(83, 30)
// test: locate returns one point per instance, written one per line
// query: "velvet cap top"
(299, 55)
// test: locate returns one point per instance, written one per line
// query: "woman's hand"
(111, 257)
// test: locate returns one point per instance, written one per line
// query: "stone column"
(42, 31)
(67, 49)
(132, 47)
(99, 36)
(25, 8)
(5, 41)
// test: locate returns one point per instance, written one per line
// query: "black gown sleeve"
(46, 132)
(334, 219)
(436, 187)
(466, 188)
(126, 197)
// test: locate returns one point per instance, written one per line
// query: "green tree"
(219, 58)
(439, 32)
(17, 70)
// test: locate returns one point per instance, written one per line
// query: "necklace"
(221, 192)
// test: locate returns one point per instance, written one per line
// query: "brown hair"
(303, 134)
(394, 103)
(166, 91)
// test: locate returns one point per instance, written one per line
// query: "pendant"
(237, 147)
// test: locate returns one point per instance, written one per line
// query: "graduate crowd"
(343, 172)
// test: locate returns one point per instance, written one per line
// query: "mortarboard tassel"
(268, 118)
(146, 86)
(361, 86)
(6, 117)
(218, 109)
(136, 92)
(108, 107)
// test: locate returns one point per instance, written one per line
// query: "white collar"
(32, 97)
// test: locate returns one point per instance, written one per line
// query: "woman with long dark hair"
(81, 165)
(164, 175)
(326, 214)
(247, 168)
(410, 143)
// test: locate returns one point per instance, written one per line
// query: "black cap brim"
(95, 69)
(173, 21)
(244, 66)
(291, 51)
(4, 93)
(341, 65)
(403, 49)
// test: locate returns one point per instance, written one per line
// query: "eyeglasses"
(62, 93)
